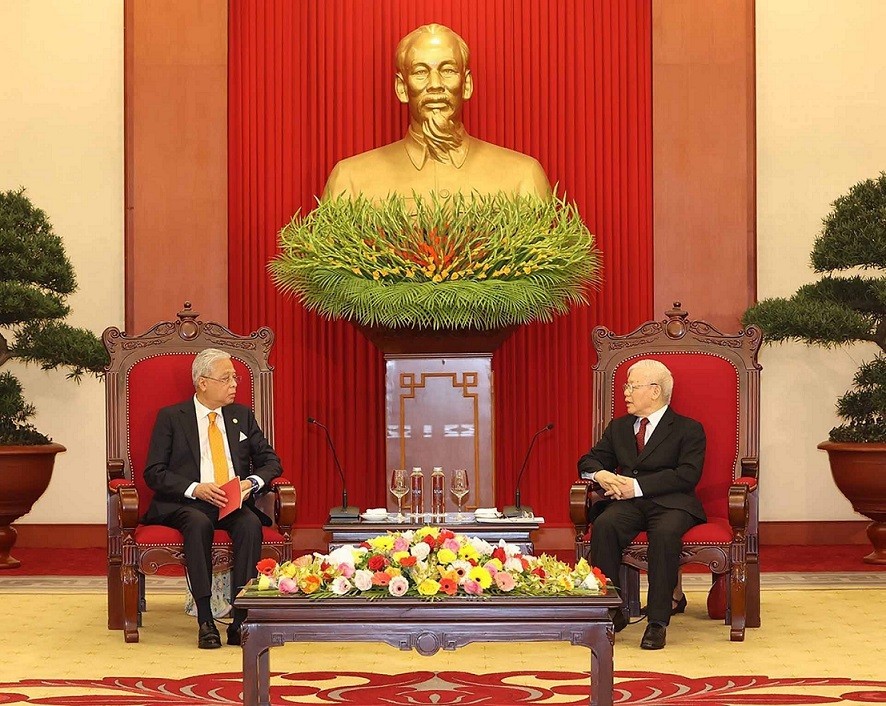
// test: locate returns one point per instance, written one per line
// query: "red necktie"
(641, 435)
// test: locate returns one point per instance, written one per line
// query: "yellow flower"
(428, 587)
(437, 278)
(451, 575)
(446, 556)
(393, 571)
(481, 576)
(496, 563)
(399, 556)
(288, 569)
(264, 582)
(382, 543)
(527, 269)
(423, 532)
(454, 276)
(410, 274)
(355, 270)
(376, 275)
(467, 551)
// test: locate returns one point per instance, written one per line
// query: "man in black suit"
(188, 461)
(648, 463)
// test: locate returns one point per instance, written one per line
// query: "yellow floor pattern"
(814, 633)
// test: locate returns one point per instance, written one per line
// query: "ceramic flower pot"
(24, 475)
(859, 470)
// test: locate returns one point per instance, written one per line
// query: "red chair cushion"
(165, 536)
(154, 383)
(717, 531)
(706, 389)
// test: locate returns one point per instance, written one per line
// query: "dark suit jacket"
(174, 456)
(669, 467)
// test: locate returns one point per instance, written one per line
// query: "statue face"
(435, 81)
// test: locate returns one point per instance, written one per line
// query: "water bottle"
(416, 495)
(438, 496)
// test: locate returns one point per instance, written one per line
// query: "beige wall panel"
(61, 137)
(821, 72)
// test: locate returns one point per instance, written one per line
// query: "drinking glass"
(459, 487)
(399, 487)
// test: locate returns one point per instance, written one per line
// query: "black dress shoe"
(680, 606)
(619, 621)
(654, 637)
(208, 637)
(233, 634)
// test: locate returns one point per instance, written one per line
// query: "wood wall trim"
(546, 539)
(175, 159)
(704, 158)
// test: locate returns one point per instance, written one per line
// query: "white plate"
(509, 520)
(374, 517)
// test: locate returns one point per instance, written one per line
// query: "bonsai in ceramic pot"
(840, 309)
(36, 277)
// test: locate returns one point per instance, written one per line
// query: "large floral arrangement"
(429, 562)
(474, 261)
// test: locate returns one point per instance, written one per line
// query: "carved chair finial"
(187, 327)
(675, 327)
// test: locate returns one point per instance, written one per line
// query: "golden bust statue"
(437, 155)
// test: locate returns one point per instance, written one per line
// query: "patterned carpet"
(819, 645)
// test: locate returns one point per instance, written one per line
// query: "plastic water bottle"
(438, 496)
(416, 495)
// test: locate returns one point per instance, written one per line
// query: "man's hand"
(615, 486)
(210, 493)
(245, 489)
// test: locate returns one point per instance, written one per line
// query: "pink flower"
(304, 560)
(401, 544)
(472, 587)
(451, 545)
(346, 570)
(398, 586)
(287, 585)
(491, 567)
(504, 581)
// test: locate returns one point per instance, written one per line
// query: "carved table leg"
(256, 666)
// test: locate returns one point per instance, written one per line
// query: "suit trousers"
(617, 525)
(197, 523)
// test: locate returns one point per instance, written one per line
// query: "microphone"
(345, 513)
(516, 510)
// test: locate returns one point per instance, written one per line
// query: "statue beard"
(441, 135)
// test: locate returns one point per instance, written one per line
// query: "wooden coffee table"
(427, 627)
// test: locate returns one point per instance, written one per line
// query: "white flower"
(340, 586)
(363, 579)
(420, 551)
(345, 554)
(462, 567)
(398, 586)
(510, 549)
(483, 547)
(591, 583)
(513, 564)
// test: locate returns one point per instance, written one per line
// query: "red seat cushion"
(161, 535)
(717, 531)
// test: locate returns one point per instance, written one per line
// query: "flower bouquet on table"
(430, 563)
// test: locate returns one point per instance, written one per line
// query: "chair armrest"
(284, 504)
(115, 469)
(127, 496)
(582, 494)
(739, 507)
(750, 468)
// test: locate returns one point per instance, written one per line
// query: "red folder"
(235, 497)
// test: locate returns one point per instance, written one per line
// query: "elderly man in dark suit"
(648, 462)
(196, 447)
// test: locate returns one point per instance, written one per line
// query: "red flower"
(266, 566)
(448, 586)
(377, 563)
(408, 561)
(540, 572)
(444, 535)
(380, 578)
(429, 540)
(499, 553)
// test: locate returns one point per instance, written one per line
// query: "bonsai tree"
(840, 309)
(35, 279)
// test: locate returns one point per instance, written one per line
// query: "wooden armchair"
(148, 372)
(716, 381)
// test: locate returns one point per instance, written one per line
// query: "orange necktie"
(217, 449)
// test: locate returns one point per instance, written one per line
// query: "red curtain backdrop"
(310, 83)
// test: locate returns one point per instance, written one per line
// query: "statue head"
(433, 78)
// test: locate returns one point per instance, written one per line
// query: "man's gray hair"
(202, 366)
(656, 372)
(406, 42)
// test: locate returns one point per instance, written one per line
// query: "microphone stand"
(517, 510)
(345, 513)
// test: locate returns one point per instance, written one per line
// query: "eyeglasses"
(629, 388)
(226, 380)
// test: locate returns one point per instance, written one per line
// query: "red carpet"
(450, 688)
(774, 558)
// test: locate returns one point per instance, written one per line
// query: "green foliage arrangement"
(466, 262)
(844, 309)
(35, 279)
